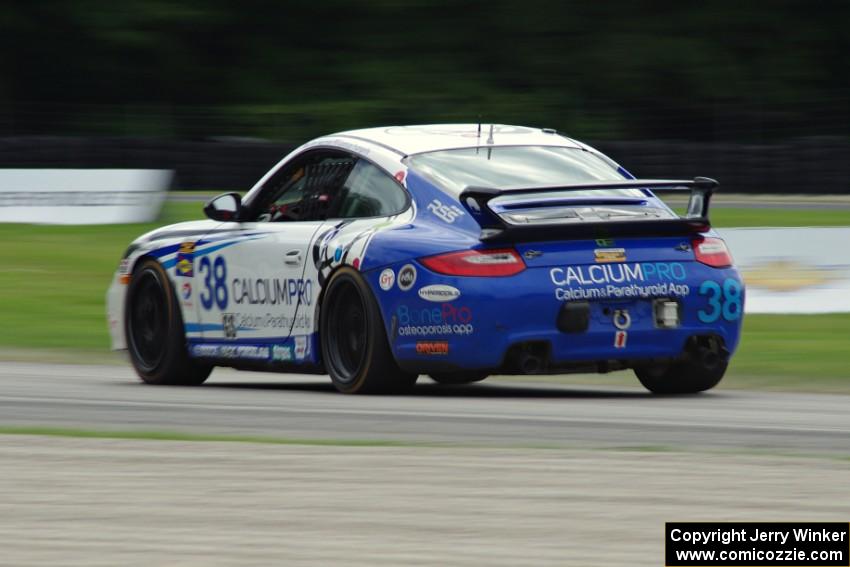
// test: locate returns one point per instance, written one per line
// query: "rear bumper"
(494, 320)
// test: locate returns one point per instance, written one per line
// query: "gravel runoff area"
(91, 502)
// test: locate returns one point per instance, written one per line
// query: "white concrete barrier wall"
(82, 196)
(793, 270)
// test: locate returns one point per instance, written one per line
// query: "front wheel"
(354, 344)
(154, 330)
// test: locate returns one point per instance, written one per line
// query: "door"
(255, 295)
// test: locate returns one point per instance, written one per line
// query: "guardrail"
(82, 196)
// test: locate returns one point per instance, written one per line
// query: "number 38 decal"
(725, 301)
(215, 282)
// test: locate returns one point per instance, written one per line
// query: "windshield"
(508, 167)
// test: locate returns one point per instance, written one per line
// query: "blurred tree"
(747, 70)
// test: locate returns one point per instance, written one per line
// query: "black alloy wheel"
(153, 326)
(347, 337)
(355, 349)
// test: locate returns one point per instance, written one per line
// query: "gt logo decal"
(215, 282)
(722, 301)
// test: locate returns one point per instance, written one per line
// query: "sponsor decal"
(605, 242)
(272, 291)
(291, 349)
(387, 279)
(603, 255)
(618, 273)
(246, 352)
(620, 339)
(620, 281)
(338, 254)
(228, 323)
(255, 322)
(447, 319)
(280, 352)
(355, 263)
(447, 213)
(432, 347)
(186, 260)
(399, 176)
(406, 277)
(186, 290)
(302, 347)
(124, 272)
(439, 293)
(185, 268)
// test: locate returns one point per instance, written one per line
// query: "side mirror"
(224, 207)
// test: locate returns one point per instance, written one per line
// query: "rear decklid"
(605, 251)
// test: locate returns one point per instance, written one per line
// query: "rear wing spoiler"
(494, 228)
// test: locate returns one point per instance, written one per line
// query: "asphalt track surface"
(498, 414)
(119, 502)
(521, 479)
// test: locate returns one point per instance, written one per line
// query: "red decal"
(356, 264)
(399, 176)
(432, 347)
(620, 339)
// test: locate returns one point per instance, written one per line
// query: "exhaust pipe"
(529, 363)
(707, 358)
(709, 353)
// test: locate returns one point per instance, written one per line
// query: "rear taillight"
(502, 262)
(711, 252)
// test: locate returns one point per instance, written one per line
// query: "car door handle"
(293, 258)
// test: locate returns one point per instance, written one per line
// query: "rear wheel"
(354, 344)
(686, 377)
(154, 330)
(458, 377)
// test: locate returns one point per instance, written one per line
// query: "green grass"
(793, 352)
(745, 217)
(54, 279)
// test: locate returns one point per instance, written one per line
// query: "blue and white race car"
(456, 251)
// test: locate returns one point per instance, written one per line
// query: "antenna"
(490, 138)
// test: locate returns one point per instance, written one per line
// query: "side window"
(369, 192)
(308, 188)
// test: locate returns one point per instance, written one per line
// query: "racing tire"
(153, 326)
(355, 349)
(454, 378)
(687, 377)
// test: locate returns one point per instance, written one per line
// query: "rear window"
(509, 167)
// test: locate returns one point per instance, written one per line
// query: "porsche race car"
(454, 251)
